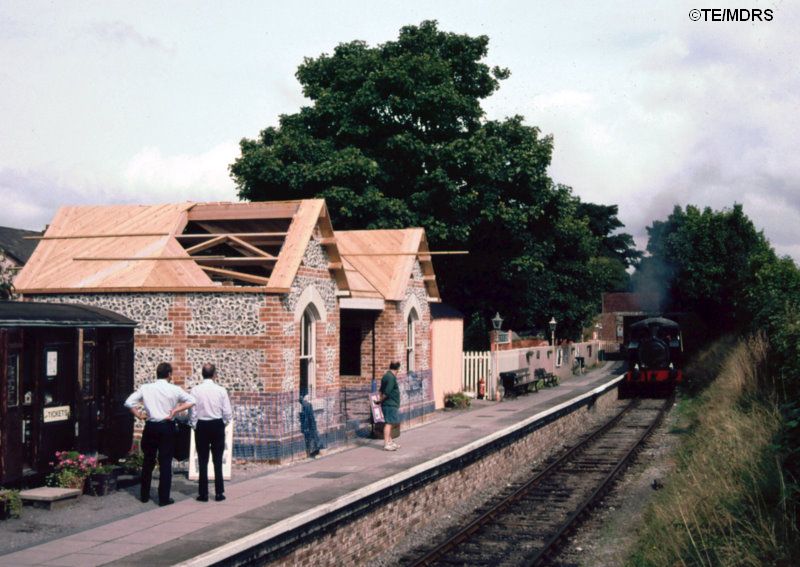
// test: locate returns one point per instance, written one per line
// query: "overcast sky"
(145, 102)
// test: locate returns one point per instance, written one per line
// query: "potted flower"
(10, 504)
(70, 469)
(101, 480)
(129, 468)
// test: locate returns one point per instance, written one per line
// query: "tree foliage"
(717, 264)
(704, 261)
(395, 136)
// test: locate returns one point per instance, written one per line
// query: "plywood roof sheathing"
(138, 247)
(383, 261)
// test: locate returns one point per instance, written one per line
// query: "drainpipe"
(374, 387)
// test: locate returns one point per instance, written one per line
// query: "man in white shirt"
(209, 417)
(162, 401)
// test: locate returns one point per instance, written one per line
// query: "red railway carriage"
(654, 353)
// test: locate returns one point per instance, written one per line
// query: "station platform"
(204, 533)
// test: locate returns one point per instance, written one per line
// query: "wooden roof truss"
(181, 247)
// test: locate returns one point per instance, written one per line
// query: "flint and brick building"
(266, 291)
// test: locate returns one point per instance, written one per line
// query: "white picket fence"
(476, 365)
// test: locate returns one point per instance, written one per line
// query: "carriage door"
(11, 441)
(116, 419)
(90, 427)
(57, 421)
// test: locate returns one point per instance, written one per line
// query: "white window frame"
(410, 342)
(308, 344)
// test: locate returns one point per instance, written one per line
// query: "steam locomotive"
(654, 353)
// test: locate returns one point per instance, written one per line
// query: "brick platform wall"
(361, 541)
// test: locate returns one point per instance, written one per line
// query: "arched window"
(308, 341)
(410, 340)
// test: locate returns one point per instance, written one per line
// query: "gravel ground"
(424, 538)
(605, 538)
(37, 526)
(602, 541)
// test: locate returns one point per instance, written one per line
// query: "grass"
(726, 502)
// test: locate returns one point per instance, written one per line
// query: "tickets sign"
(58, 413)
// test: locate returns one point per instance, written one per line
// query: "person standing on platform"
(308, 426)
(162, 401)
(390, 404)
(208, 418)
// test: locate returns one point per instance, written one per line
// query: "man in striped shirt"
(209, 417)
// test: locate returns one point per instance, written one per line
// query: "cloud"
(698, 119)
(577, 100)
(121, 33)
(156, 177)
(30, 198)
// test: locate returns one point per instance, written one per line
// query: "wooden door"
(117, 421)
(89, 393)
(11, 456)
(56, 413)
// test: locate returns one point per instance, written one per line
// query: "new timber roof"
(379, 263)
(179, 247)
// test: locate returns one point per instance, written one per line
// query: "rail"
(551, 542)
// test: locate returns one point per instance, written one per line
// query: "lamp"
(553, 340)
(497, 321)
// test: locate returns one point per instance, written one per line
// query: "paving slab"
(291, 495)
(50, 497)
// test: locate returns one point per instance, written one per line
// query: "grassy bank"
(726, 502)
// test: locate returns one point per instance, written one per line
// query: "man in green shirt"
(390, 404)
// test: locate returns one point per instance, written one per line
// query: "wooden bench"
(548, 378)
(518, 381)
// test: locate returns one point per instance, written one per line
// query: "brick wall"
(361, 541)
(252, 338)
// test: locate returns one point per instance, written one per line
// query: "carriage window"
(88, 372)
(122, 363)
(51, 373)
(12, 377)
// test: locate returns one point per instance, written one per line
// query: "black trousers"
(158, 439)
(210, 435)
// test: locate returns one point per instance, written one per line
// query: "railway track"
(527, 526)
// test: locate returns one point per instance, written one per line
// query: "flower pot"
(101, 484)
(10, 504)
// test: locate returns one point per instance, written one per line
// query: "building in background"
(15, 250)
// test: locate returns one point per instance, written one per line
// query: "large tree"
(396, 137)
(706, 261)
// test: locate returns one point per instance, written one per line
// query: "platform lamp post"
(497, 324)
(553, 340)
